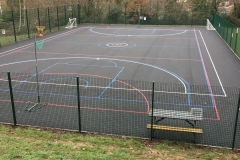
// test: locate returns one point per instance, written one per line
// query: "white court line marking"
(213, 64)
(171, 29)
(69, 85)
(138, 35)
(121, 60)
(47, 39)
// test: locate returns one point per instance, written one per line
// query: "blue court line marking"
(203, 66)
(34, 75)
(115, 64)
(51, 67)
(65, 78)
(113, 99)
(113, 80)
(173, 74)
(116, 32)
(153, 31)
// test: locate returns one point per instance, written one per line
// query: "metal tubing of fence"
(231, 37)
(236, 41)
(14, 30)
(49, 24)
(12, 100)
(109, 14)
(57, 18)
(152, 111)
(65, 14)
(26, 12)
(236, 122)
(79, 112)
(79, 9)
(38, 16)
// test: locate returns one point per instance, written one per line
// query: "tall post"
(14, 30)
(57, 17)
(78, 101)
(35, 45)
(152, 111)
(72, 11)
(38, 16)
(139, 12)
(236, 41)
(125, 12)
(157, 14)
(79, 9)
(27, 23)
(49, 24)
(109, 14)
(65, 13)
(236, 121)
(231, 38)
(12, 100)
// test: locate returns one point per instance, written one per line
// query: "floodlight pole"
(35, 45)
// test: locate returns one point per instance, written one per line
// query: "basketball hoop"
(40, 30)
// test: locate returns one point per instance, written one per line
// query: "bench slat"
(172, 128)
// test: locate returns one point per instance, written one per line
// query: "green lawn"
(34, 143)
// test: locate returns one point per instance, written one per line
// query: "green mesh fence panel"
(228, 32)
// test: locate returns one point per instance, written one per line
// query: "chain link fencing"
(123, 107)
(21, 24)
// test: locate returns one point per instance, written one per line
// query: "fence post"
(72, 11)
(79, 14)
(26, 12)
(49, 25)
(236, 121)
(236, 41)
(14, 30)
(231, 38)
(78, 101)
(38, 16)
(65, 12)
(152, 111)
(12, 100)
(109, 14)
(57, 18)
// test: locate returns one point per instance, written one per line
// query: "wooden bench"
(195, 114)
(172, 128)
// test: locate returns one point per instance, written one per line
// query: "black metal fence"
(123, 107)
(18, 25)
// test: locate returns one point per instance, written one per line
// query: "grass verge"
(38, 143)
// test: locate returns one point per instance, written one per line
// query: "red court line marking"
(208, 81)
(85, 107)
(107, 56)
(145, 98)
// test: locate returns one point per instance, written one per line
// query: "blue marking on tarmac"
(203, 66)
(113, 80)
(115, 64)
(153, 31)
(33, 76)
(116, 32)
(113, 99)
